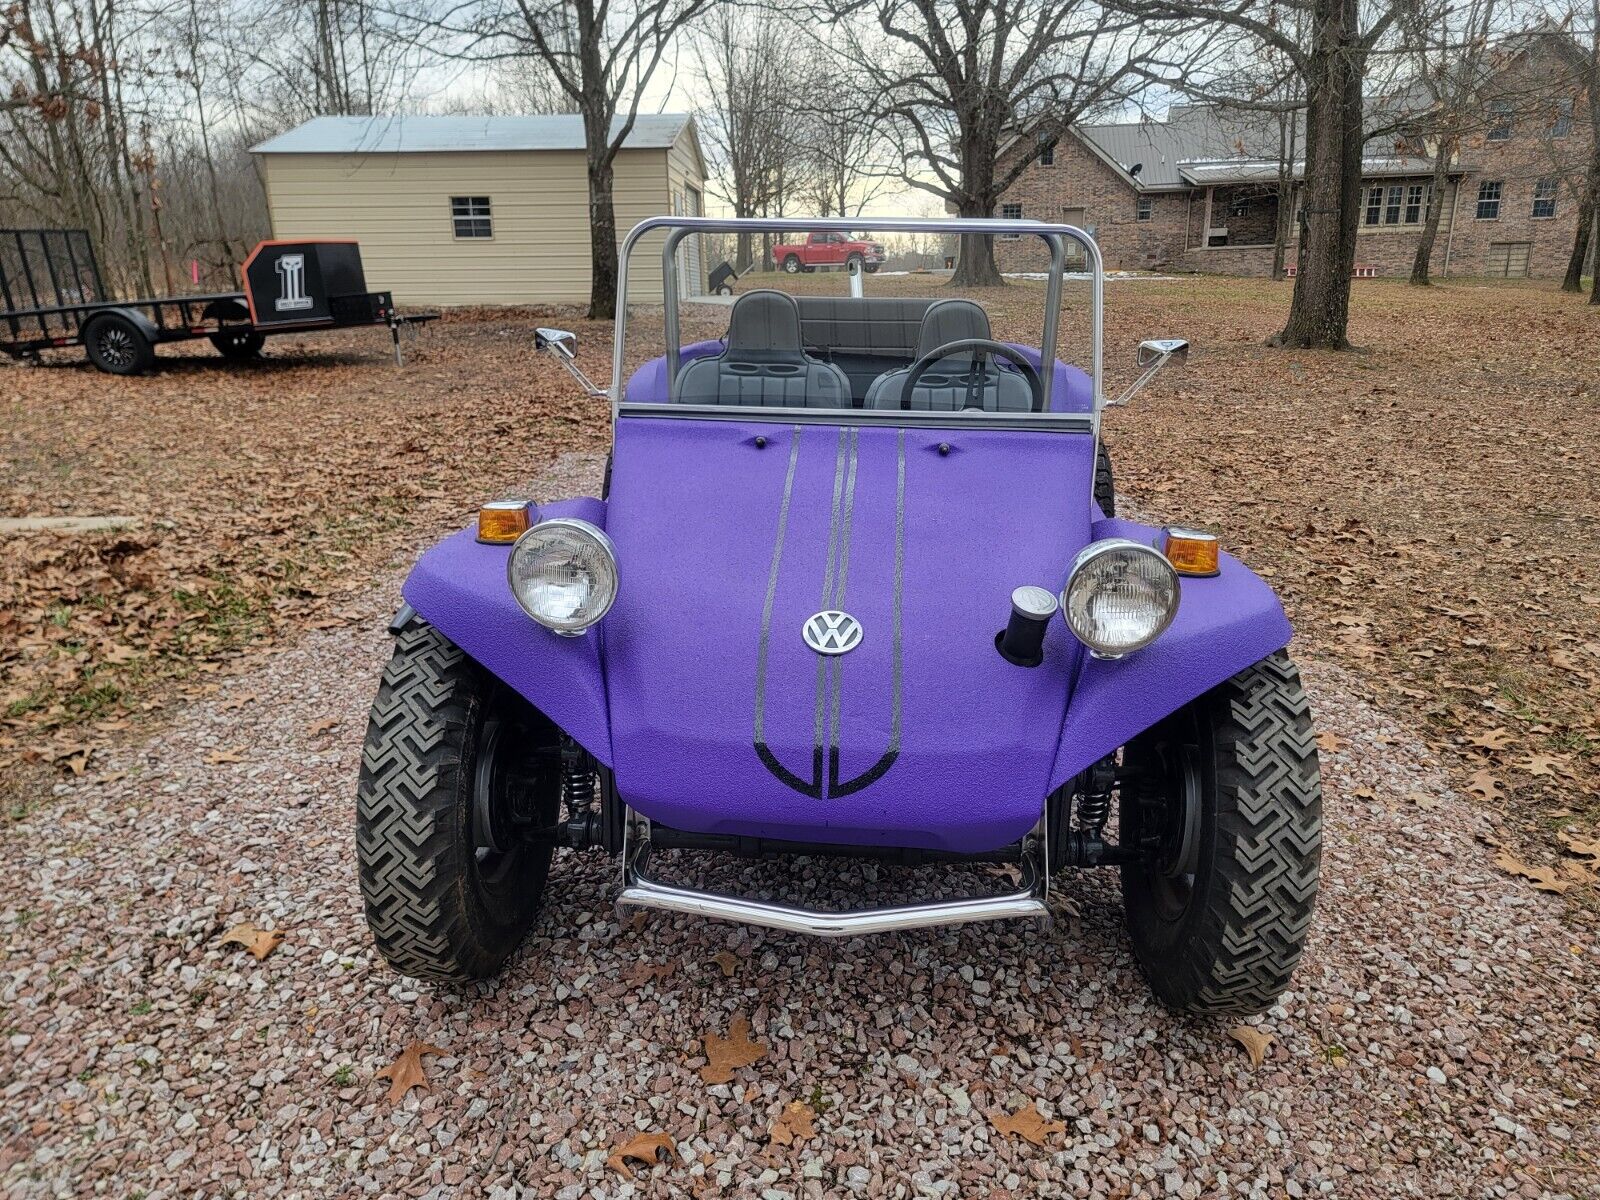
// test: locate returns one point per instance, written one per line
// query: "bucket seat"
(763, 364)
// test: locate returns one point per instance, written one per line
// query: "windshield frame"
(1054, 236)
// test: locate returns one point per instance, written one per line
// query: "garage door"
(1509, 260)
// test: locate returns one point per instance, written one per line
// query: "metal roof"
(1265, 170)
(417, 135)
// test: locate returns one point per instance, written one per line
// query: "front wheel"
(459, 790)
(1224, 799)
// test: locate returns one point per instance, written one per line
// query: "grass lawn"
(1427, 505)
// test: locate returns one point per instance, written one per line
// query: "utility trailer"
(52, 296)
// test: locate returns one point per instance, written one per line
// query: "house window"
(1489, 200)
(1144, 207)
(1562, 125)
(470, 215)
(1010, 212)
(1391, 210)
(1374, 206)
(1544, 198)
(1499, 121)
(1416, 195)
(1047, 150)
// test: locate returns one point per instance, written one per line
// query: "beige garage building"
(479, 210)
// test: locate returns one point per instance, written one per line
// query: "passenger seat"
(763, 364)
(949, 384)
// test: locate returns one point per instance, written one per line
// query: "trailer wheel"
(460, 784)
(238, 343)
(1225, 800)
(117, 346)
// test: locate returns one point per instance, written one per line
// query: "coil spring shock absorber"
(1085, 841)
(578, 791)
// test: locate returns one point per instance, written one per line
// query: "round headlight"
(563, 573)
(1120, 596)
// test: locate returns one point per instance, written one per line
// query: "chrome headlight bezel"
(579, 531)
(1087, 572)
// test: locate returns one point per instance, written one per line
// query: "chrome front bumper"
(640, 890)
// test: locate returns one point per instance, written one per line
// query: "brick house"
(1200, 190)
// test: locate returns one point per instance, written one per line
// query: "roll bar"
(1054, 236)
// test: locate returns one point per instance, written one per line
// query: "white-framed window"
(1392, 209)
(1489, 199)
(470, 217)
(1500, 114)
(1144, 208)
(1416, 202)
(1374, 212)
(1561, 125)
(1010, 212)
(1047, 150)
(1544, 199)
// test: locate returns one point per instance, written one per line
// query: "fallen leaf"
(1544, 879)
(1576, 845)
(1329, 743)
(218, 757)
(237, 702)
(407, 1071)
(1485, 786)
(725, 1055)
(642, 1147)
(1423, 801)
(647, 972)
(260, 942)
(727, 962)
(323, 726)
(1025, 1123)
(1544, 765)
(793, 1124)
(1254, 1041)
(1495, 739)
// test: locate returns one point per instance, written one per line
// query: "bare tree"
(602, 54)
(837, 143)
(1329, 47)
(952, 81)
(1581, 24)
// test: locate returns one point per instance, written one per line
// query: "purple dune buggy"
(854, 586)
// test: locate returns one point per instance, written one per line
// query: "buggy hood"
(731, 535)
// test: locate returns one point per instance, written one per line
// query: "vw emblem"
(832, 632)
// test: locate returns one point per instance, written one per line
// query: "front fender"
(1224, 623)
(459, 587)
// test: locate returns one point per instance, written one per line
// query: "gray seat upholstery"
(763, 364)
(955, 382)
(863, 336)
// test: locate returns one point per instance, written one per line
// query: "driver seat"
(763, 364)
(948, 383)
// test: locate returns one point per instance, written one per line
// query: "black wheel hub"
(515, 793)
(1169, 798)
(116, 346)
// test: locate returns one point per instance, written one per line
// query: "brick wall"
(1080, 179)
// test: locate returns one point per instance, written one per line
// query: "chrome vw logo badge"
(832, 632)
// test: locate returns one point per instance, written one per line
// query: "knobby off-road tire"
(1226, 938)
(1105, 487)
(437, 908)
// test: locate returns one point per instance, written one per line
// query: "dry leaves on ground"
(1025, 1123)
(1255, 1042)
(725, 1055)
(645, 1148)
(260, 942)
(793, 1124)
(408, 1071)
(727, 961)
(218, 758)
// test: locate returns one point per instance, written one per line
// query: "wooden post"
(1205, 229)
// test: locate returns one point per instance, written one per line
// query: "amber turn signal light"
(1191, 551)
(504, 521)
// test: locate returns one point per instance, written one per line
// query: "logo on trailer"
(291, 270)
(832, 632)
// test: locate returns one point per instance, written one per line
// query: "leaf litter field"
(191, 1006)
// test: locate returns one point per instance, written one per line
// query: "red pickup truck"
(828, 250)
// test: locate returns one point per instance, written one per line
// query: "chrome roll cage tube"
(1054, 236)
(642, 890)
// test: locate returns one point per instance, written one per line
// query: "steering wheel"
(985, 346)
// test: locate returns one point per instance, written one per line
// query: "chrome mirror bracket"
(561, 345)
(1153, 354)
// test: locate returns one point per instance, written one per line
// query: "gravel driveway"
(1440, 1040)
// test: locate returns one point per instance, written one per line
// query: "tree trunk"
(1423, 260)
(602, 238)
(1573, 280)
(1287, 129)
(745, 254)
(975, 264)
(1319, 315)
